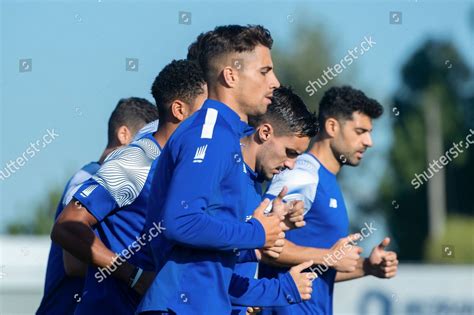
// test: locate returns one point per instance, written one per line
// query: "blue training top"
(198, 195)
(117, 197)
(61, 292)
(326, 222)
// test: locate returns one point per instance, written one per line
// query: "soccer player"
(345, 118)
(201, 187)
(290, 288)
(282, 134)
(114, 202)
(63, 288)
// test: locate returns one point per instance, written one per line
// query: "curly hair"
(228, 39)
(288, 115)
(179, 80)
(342, 102)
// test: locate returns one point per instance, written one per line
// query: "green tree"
(433, 108)
(43, 216)
(308, 57)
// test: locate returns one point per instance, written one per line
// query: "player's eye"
(292, 154)
(265, 71)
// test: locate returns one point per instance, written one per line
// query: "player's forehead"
(360, 120)
(260, 57)
(293, 142)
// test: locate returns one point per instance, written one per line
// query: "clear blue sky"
(78, 52)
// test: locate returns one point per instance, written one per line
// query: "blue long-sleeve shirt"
(61, 291)
(198, 195)
(248, 291)
(244, 266)
(117, 196)
(326, 222)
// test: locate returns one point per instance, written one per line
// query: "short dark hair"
(195, 48)
(179, 80)
(133, 112)
(230, 39)
(342, 102)
(288, 114)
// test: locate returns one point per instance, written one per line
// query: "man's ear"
(124, 135)
(265, 132)
(331, 127)
(230, 76)
(179, 110)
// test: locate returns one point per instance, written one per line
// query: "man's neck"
(164, 132)
(106, 152)
(161, 136)
(249, 151)
(322, 151)
(223, 96)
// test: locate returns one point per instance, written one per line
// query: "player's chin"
(354, 161)
(260, 109)
(269, 175)
(276, 171)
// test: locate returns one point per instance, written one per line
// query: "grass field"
(457, 245)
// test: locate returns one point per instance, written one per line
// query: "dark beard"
(344, 159)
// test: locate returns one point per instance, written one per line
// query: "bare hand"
(382, 263)
(253, 310)
(294, 217)
(272, 224)
(303, 280)
(349, 253)
(272, 252)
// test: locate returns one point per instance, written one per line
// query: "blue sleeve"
(75, 183)
(200, 166)
(246, 255)
(96, 199)
(117, 183)
(281, 291)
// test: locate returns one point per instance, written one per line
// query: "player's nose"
(290, 163)
(368, 140)
(274, 83)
